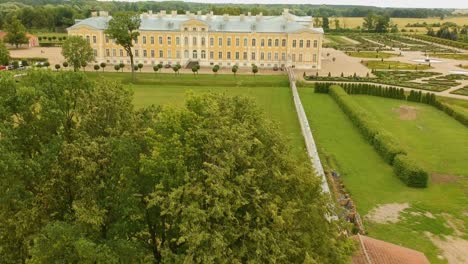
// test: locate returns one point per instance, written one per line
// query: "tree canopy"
(77, 51)
(123, 27)
(4, 54)
(87, 178)
(16, 32)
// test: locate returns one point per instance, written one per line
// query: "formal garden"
(372, 179)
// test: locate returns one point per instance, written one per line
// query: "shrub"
(387, 146)
(410, 173)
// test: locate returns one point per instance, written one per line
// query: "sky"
(381, 3)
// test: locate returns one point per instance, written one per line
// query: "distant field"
(353, 22)
(454, 56)
(372, 182)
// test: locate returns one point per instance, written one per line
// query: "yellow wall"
(288, 55)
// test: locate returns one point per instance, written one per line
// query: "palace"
(267, 41)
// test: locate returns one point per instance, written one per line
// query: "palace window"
(220, 41)
(262, 56)
(203, 54)
(161, 54)
(220, 55)
(237, 55)
(269, 56)
(144, 39)
(276, 42)
(178, 54)
(228, 42)
(301, 43)
(203, 42)
(294, 43)
(237, 42)
(300, 57)
(160, 40)
(314, 58)
(145, 54)
(262, 43)
(315, 43)
(194, 41)
(94, 39)
(245, 56)
(253, 56)
(186, 54)
(308, 43)
(228, 55)
(269, 42)
(169, 41)
(152, 39)
(152, 53)
(186, 41)
(194, 54)
(245, 42)
(254, 42)
(107, 53)
(177, 41)
(212, 42)
(211, 55)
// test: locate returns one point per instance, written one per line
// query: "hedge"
(382, 141)
(397, 93)
(410, 173)
(448, 42)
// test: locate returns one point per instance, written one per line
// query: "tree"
(215, 69)
(46, 64)
(175, 69)
(123, 27)
(195, 70)
(336, 21)
(103, 65)
(254, 69)
(77, 51)
(234, 69)
(57, 67)
(16, 32)
(369, 21)
(4, 54)
(160, 66)
(135, 68)
(325, 23)
(96, 67)
(382, 24)
(117, 68)
(140, 66)
(84, 64)
(65, 64)
(122, 66)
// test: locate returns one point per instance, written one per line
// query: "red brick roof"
(373, 251)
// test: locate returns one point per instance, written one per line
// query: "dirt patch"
(406, 112)
(443, 178)
(453, 248)
(387, 213)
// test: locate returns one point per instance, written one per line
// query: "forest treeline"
(55, 15)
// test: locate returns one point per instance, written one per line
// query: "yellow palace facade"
(208, 39)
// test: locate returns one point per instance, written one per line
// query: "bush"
(410, 173)
(387, 146)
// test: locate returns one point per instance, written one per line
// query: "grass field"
(371, 181)
(377, 55)
(271, 93)
(353, 22)
(394, 65)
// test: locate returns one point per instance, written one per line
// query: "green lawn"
(274, 96)
(454, 56)
(394, 65)
(371, 54)
(371, 181)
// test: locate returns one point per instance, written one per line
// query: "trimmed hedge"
(447, 42)
(396, 93)
(382, 141)
(411, 174)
